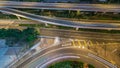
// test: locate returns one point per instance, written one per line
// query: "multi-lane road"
(6, 5)
(62, 6)
(57, 53)
(55, 21)
(80, 34)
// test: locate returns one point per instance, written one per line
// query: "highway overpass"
(59, 22)
(62, 6)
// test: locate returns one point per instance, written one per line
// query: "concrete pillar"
(77, 28)
(18, 18)
(78, 12)
(42, 10)
(103, 12)
(50, 13)
(69, 11)
(95, 12)
(46, 24)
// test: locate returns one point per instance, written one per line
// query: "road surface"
(59, 22)
(53, 52)
(62, 6)
(80, 35)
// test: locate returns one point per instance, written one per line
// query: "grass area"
(101, 31)
(6, 16)
(49, 26)
(32, 25)
(70, 64)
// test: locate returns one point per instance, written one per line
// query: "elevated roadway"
(62, 6)
(55, 21)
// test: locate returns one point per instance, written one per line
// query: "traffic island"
(70, 64)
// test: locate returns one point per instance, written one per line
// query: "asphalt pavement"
(62, 6)
(80, 34)
(55, 21)
(58, 51)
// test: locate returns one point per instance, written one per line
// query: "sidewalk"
(7, 54)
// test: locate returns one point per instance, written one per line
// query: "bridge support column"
(50, 13)
(46, 24)
(69, 11)
(78, 12)
(77, 28)
(18, 18)
(42, 10)
(103, 12)
(95, 12)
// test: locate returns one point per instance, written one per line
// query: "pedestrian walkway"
(7, 54)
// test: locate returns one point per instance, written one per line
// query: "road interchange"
(55, 21)
(59, 22)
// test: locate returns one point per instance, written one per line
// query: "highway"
(62, 6)
(63, 51)
(55, 21)
(80, 35)
(40, 60)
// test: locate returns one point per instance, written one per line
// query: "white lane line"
(102, 60)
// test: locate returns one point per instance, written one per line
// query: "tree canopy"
(14, 35)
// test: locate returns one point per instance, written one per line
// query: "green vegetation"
(90, 66)
(33, 25)
(75, 14)
(43, 26)
(70, 64)
(71, 28)
(7, 16)
(67, 14)
(101, 31)
(14, 36)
